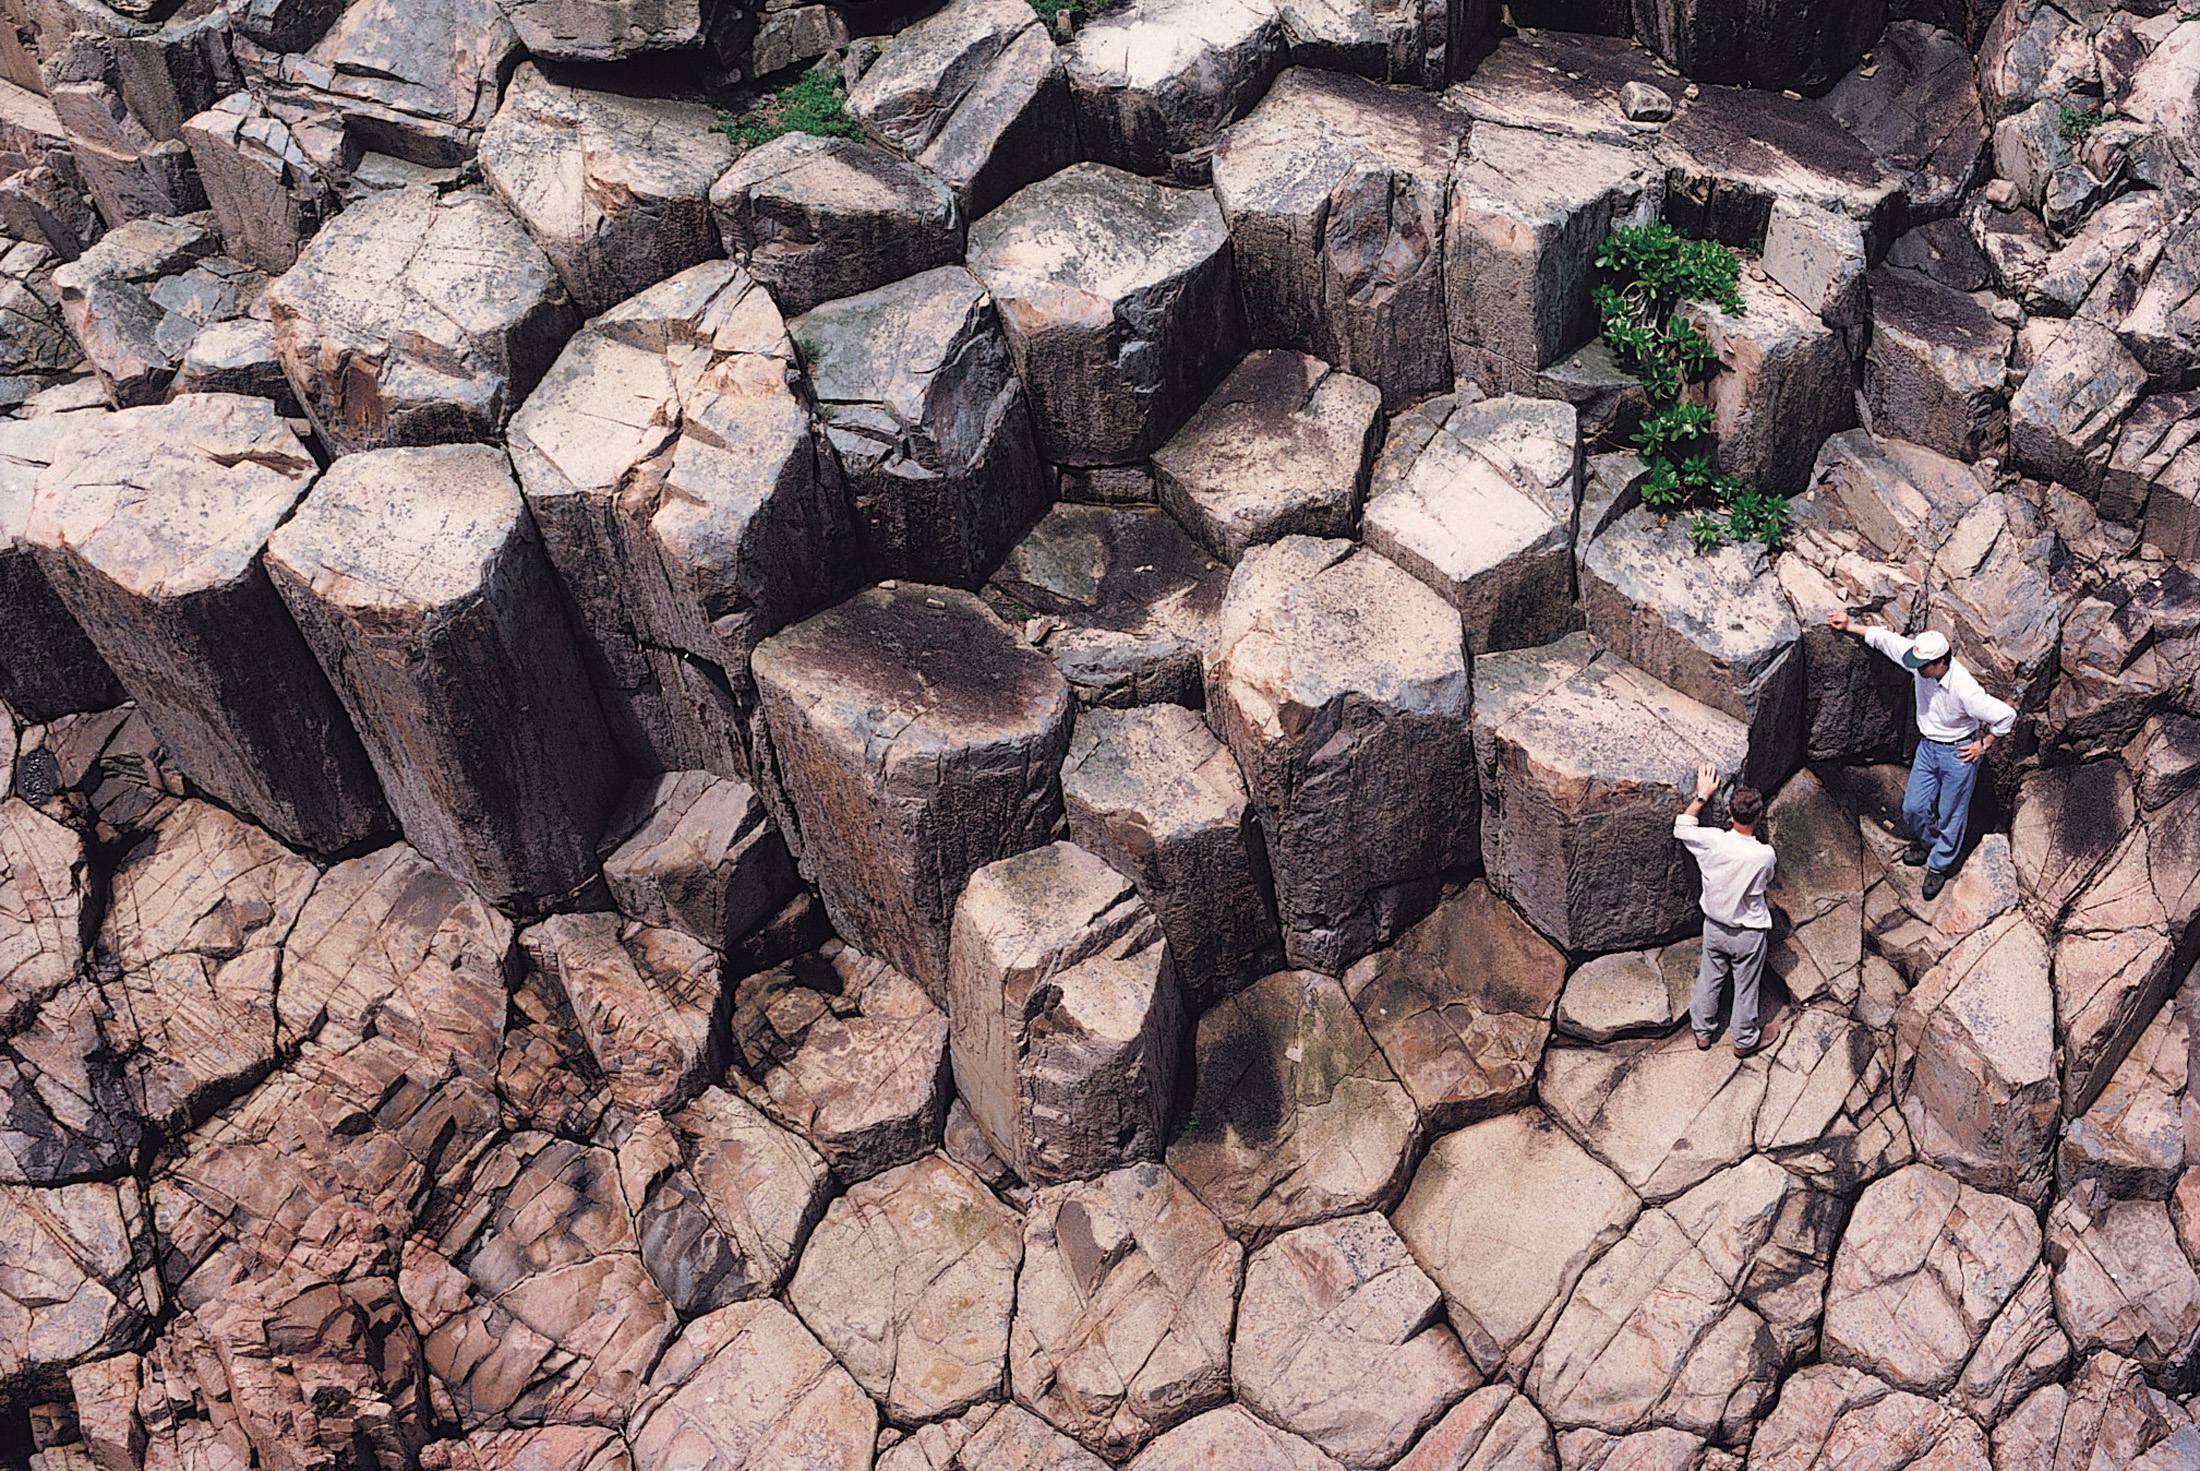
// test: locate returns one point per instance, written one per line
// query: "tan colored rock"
(196, 924)
(546, 1078)
(2122, 941)
(1926, 1264)
(2122, 1280)
(722, 1200)
(2131, 1142)
(615, 189)
(419, 79)
(2106, 1415)
(1341, 686)
(914, 740)
(149, 525)
(1687, 1321)
(117, 781)
(1119, 597)
(1119, 301)
(43, 876)
(1065, 1018)
(77, 1265)
(1280, 448)
(1583, 761)
(1816, 896)
(431, 344)
(651, 1003)
(1123, 1308)
(1493, 1429)
(1007, 1437)
(532, 1304)
(1233, 1437)
(699, 855)
(1830, 1417)
(1507, 1259)
(1936, 372)
(267, 194)
(1338, 1340)
(679, 480)
(928, 417)
(1526, 213)
(1629, 993)
(1461, 1006)
(2063, 420)
(54, 670)
(1295, 1116)
(1334, 188)
(975, 93)
(1151, 791)
(421, 585)
(1155, 82)
(910, 1280)
(749, 1386)
(1975, 1060)
(851, 1054)
(2024, 1348)
(391, 947)
(819, 218)
(2069, 819)
(1478, 501)
(572, 1447)
(1786, 386)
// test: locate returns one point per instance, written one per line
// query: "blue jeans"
(1938, 804)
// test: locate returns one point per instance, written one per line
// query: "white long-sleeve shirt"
(1950, 708)
(1736, 872)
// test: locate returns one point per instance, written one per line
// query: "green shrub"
(2076, 122)
(815, 102)
(1053, 11)
(1656, 271)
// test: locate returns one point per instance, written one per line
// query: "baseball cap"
(1930, 646)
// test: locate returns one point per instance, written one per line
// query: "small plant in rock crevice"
(1055, 12)
(2076, 122)
(815, 102)
(1655, 271)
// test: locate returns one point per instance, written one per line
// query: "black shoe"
(1935, 880)
(1914, 855)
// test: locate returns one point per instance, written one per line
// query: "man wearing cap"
(1957, 723)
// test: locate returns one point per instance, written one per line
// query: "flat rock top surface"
(1151, 43)
(1081, 240)
(403, 528)
(935, 657)
(1289, 151)
(1121, 567)
(174, 498)
(1593, 715)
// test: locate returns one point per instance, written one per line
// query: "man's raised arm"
(1885, 640)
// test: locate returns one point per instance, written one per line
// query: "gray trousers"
(1729, 954)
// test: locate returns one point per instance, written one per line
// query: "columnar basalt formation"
(944, 735)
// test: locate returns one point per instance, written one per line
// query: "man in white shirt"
(1957, 723)
(1737, 923)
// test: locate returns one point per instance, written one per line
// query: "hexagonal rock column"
(1508, 1259)
(1478, 501)
(419, 581)
(1975, 1060)
(1785, 386)
(1715, 626)
(924, 407)
(973, 92)
(1334, 189)
(910, 1280)
(1936, 372)
(616, 190)
(677, 475)
(1280, 449)
(150, 526)
(1123, 1308)
(48, 668)
(1155, 794)
(615, 30)
(1341, 686)
(1584, 761)
(1295, 1115)
(699, 855)
(1339, 1340)
(1155, 81)
(1119, 302)
(913, 739)
(1805, 47)
(267, 194)
(748, 1385)
(1526, 214)
(418, 317)
(1414, 44)
(816, 218)
(1065, 1017)
(1461, 1006)
(1119, 597)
